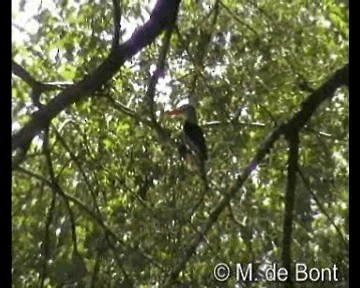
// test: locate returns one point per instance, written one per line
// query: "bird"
(193, 140)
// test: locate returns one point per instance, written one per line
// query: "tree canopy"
(100, 196)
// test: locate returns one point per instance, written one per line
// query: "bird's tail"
(203, 174)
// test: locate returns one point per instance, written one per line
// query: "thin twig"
(23, 74)
(295, 124)
(59, 190)
(322, 208)
(46, 252)
(237, 19)
(159, 72)
(224, 202)
(117, 24)
(79, 167)
(89, 212)
(163, 15)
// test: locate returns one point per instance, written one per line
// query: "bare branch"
(79, 167)
(324, 92)
(56, 189)
(293, 140)
(159, 72)
(237, 19)
(214, 215)
(94, 216)
(117, 25)
(259, 125)
(23, 74)
(163, 15)
(322, 208)
(37, 87)
(162, 133)
(213, 124)
(46, 252)
(295, 124)
(202, 49)
(123, 109)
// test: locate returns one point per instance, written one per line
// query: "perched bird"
(193, 141)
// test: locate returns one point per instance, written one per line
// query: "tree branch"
(297, 122)
(324, 92)
(237, 19)
(117, 25)
(163, 15)
(37, 88)
(293, 139)
(57, 189)
(94, 216)
(202, 49)
(214, 215)
(322, 209)
(77, 163)
(23, 74)
(46, 246)
(159, 72)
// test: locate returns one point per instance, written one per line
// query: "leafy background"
(101, 201)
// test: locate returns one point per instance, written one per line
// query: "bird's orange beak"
(174, 112)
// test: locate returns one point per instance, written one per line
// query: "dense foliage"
(101, 197)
